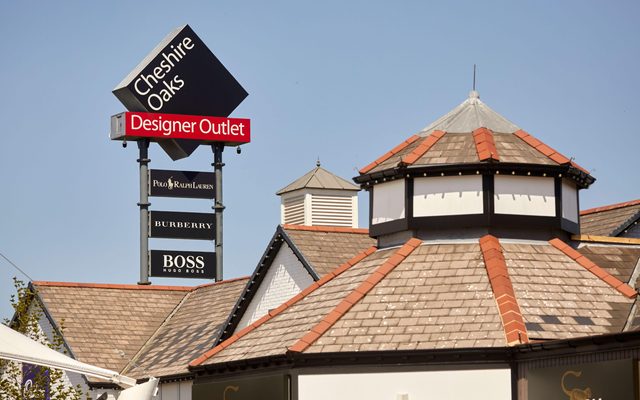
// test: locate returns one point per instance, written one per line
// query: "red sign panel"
(133, 125)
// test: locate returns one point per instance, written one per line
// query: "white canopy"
(142, 391)
(17, 347)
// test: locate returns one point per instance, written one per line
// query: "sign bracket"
(143, 160)
(218, 206)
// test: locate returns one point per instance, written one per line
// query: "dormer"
(319, 198)
(473, 172)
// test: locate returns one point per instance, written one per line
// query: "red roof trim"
(485, 145)
(551, 153)
(323, 228)
(423, 147)
(610, 207)
(592, 267)
(355, 296)
(326, 278)
(388, 155)
(510, 314)
(132, 287)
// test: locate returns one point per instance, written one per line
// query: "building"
(478, 277)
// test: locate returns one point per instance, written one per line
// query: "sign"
(184, 184)
(161, 127)
(267, 387)
(36, 381)
(180, 76)
(181, 225)
(183, 264)
(606, 380)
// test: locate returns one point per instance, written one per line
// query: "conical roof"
(318, 178)
(471, 133)
(470, 115)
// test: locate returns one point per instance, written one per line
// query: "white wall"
(488, 384)
(524, 195)
(447, 195)
(174, 391)
(388, 201)
(285, 278)
(569, 201)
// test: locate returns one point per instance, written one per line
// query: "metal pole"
(218, 207)
(143, 145)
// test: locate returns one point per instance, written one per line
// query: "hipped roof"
(318, 178)
(611, 220)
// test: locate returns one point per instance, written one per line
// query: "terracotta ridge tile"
(424, 146)
(389, 154)
(550, 152)
(113, 286)
(512, 322)
(605, 239)
(594, 268)
(610, 207)
(485, 145)
(325, 228)
(337, 271)
(355, 296)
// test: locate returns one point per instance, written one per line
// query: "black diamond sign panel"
(183, 264)
(181, 76)
(182, 225)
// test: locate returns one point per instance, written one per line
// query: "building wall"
(524, 195)
(285, 278)
(569, 201)
(388, 201)
(174, 391)
(447, 195)
(485, 384)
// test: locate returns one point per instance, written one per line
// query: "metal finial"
(474, 77)
(318, 162)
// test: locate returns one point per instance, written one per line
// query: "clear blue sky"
(341, 80)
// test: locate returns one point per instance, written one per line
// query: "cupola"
(473, 172)
(319, 198)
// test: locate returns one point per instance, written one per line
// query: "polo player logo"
(170, 183)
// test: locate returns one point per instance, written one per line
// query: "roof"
(101, 320)
(318, 178)
(191, 329)
(471, 133)
(430, 295)
(611, 220)
(318, 248)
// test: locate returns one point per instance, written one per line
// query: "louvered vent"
(294, 210)
(332, 210)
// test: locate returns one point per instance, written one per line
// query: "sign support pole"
(218, 207)
(143, 160)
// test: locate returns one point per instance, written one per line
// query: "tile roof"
(485, 145)
(318, 178)
(619, 261)
(325, 247)
(189, 331)
(609, 220)
(101, 319)
(424, 295)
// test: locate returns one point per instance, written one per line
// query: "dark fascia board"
(626, 225)
(441, 357)
(249, 291)
(581, 178)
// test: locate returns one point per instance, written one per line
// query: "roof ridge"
(355, 296)
(610, 207)
(204, 285)
(510, 314)
(548, 151)
(425, 145)
(311, 288)
(113, 286)
(592, 267)
(485, 145)
(388, 154)
(325, 228)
